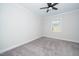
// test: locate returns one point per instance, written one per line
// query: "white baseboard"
(61, 39)
(2, 51)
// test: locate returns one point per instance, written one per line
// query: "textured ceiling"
(62, 7)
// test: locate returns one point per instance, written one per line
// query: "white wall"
(18, 25)
(70, 26)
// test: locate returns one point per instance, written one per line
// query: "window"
(56, 26)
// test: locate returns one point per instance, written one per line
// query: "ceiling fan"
(50, 5)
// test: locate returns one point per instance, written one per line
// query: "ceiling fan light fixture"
(50, 5)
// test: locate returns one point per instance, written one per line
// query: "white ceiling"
(62, 7)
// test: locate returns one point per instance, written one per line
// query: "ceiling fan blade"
(47, 10)
(44, 7)
(49, 4)
(54, 4)
(54, 8)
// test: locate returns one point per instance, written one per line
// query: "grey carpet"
(45, 47)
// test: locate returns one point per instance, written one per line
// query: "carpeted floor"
(45, 47)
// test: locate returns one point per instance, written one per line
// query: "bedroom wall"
(69, 27)
(18, 26)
